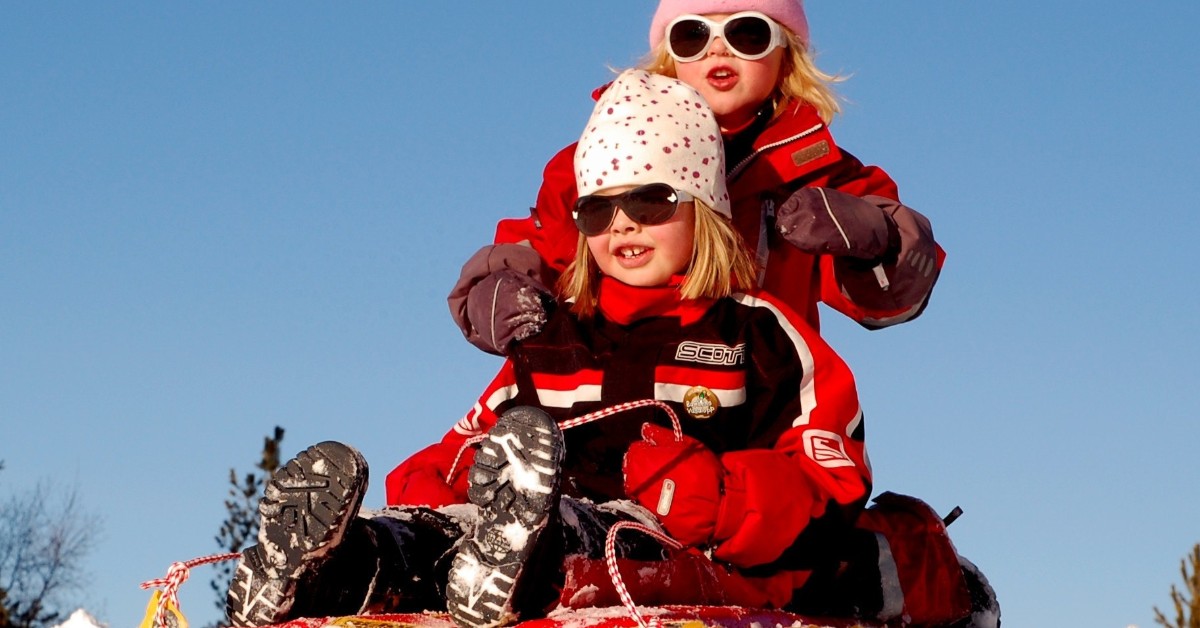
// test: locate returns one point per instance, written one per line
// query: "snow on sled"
(606, 617)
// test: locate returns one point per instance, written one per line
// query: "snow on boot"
(308, 504)
(305, 513)
(515, 482)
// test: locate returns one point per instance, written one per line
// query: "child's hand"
(507, 306)
(679, 481)
(823, 221)
(501, 296)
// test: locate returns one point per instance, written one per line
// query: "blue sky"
(220, 217)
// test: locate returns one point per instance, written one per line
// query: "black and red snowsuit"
(786, 428)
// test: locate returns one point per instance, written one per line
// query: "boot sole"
(515, 482)
(307, 507)
(254, 597)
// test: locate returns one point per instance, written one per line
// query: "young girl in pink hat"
(823, 226)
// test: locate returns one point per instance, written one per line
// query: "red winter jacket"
(794, 150)
(788, 423)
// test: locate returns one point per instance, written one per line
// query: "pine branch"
(1186, 603)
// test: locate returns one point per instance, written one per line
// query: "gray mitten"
(501, 296)
(824, 221)
(506, 306)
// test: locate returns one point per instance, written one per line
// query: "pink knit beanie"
(789, 13)
(650, 128)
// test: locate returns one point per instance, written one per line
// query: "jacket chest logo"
(706, 353)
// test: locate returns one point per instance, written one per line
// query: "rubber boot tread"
(515, 482)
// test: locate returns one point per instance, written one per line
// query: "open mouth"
(722, 77)
(633, 256)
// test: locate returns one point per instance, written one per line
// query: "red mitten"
(679, 481)
(421, 480)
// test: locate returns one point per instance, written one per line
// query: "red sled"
(605, 617)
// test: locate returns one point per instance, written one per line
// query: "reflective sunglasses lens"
(688, 38)
(651, 204)
(748, 35)
(593, 214)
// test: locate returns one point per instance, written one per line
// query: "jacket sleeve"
(803, 390)
(893, 290)
(549, 228)
(437, 475)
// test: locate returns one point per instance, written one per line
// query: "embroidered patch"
(700, 402)
(811, 153)
(826, 449)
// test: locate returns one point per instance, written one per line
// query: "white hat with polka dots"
(649, 128)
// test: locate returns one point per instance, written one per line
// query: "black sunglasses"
(651, 204)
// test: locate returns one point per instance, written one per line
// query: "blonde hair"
(799, 78)
(720, 264)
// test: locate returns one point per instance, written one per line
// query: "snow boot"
(854, 577)
(305, 513)
(255, 598)
(515, 482)
(985, 609)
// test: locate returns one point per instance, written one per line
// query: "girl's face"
(734, 87)
(645, 255)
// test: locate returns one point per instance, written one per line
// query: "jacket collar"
(795, 143)
(625, 304)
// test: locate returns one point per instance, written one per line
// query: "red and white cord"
(676, 426)
(467, 444)
(614, 573)
(177, 574)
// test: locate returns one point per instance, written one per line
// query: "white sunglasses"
(748, 34)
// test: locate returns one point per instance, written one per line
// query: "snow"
(523, 479)
(81, 619)
(516, 535)
(585, 596)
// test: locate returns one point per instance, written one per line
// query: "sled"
(163, 612)
(604, 617)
